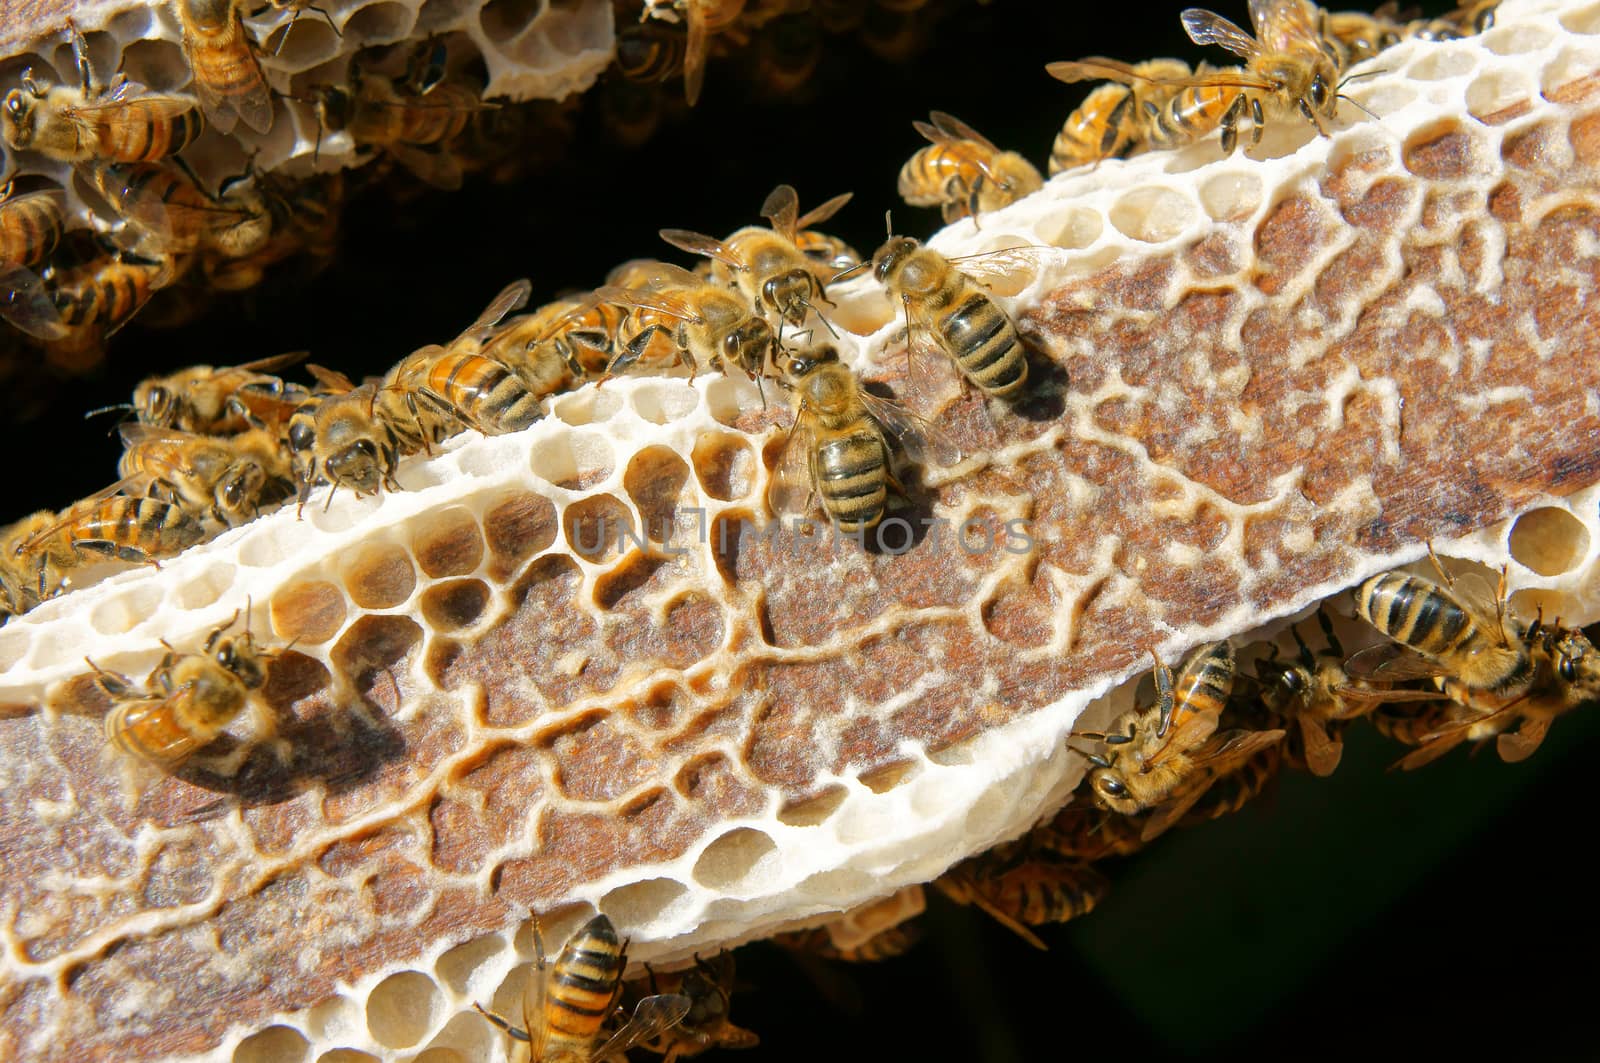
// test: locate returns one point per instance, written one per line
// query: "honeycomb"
(576, 669)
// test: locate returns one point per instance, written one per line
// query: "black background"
(1374, 913)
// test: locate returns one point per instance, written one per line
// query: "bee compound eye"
(1568, 669)
(1113, 787)
(302, 436)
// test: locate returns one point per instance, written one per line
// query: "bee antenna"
(888, 221)
(1357, 106)
(842, 274)
(824, 321)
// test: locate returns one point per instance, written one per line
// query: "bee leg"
(1230, 124)
(80, 57)
(516, 1034)
(1256, 123)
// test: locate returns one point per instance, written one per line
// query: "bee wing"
(274, 363)
(57, 196)
(694, 54)
(26, 304)
(1004, 263)
(818, 215)
(65, 517)
(1522, 743)
(663, 302)
(1190, 730)
(651, 1016)
(701, 244)
(1208, 27)
(950, 128)
(1389, 663)
(1097, 68)
(160, 108)
(790, 488)
(1437, 745)
(782, 209)
(438, 168)
(332, 381)
(1323, 750)
(922, 441)
(1284, 24)
(513, 296)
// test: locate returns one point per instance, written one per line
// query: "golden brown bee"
(1166, 756)
(210, 401)
(1023, 888)
(1088, 833)
(1174, 107)
(114, 527)
(709, 986)
(19, 573)
(95, 291)
(174, 216)
(195, 696)
(564, 1010)
(1360, 35)
(705, 322)
(564, 338)
(829, 255)
(837, 450)
(227, 77)
(30, 228)
(88, 123)
(456, 381)
(339, 434)
(704, 18)
(1472, 16)
(886, 944)
(768, 265)
(1111, 121)
(1231, 792)
(302, 217)
(943, 301)
(962, 173)
(225, 478)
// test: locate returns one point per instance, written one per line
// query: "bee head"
(157, 405)
(786, 293)
(746, 346)
(356, 467)
(240, 487)
(1110, 791)
(17, 116)
(238, 656)
(334, 104)
(889, 257)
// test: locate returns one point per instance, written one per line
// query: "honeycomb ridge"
(1260, 381)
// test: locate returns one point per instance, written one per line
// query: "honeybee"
(1472, 16)
(458, 381)
(1173, 106)
(227, 479)
(1360, 35)
(338, 433)
(303, 217)
(1165, 757)
(706, 323)
(30, 228)
(196, 695)
(829, 255)
(173, 215)
(1022, 888)
(115, 527)
(564, 1010)
(95, 291)
(943, 299)
(227, 77)
(79, 124)
(1088, 833)
(836, 448)
(962, 173)
(1231, 792)
(410, 121)
(208, 401)
(19, 576)
(709, 986)
(705, 18)
(886, 944)
(768, 265)
(1110, 122)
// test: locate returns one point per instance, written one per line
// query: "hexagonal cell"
(309, 613)
(1231, 196)
(654, 481)
(466, 1038)
(1516, 40)
(301, 42)
(126, 611)
(587, 405)
(442, 1054)
(454, 604)
(1441, 151)
(374, 644)
(275, 1044)
(1568, 77)
(1152, 214)
(813, 811)
(14, 644)
(378, 24)
(517, 527)
(1497, 90)
(600, 527)
(201, 590)
(448, 543)
(743, 860)
(1583, 20)
(661, 401)
(637, 903)
(379, 576)
(615, 585)
(886, 777)
(1549, 540)
(347, 1055)
(574, 460)
(457, 966)
(725, 465)
(862, 312)
(1441, 62)
(730, 397)
(506, 20)
(434, 15)
(1073, 227)
(269, 542)
(402, 1008)
(158, 64)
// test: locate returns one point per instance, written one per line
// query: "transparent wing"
(922, 441)
(158, 108)
(651, 1016)
(782, 210)
(1390, 663)
(1190, 730)
(818, 215)
(1003, 264)
(513, 296)
(1323, 750)
(650, 274)
(701, 244)
(26, 304)
(332, 381)
(661, 302)
(1282, 25)
(1099, 68)
(790, 488)
(274, 363)
(1208, 27)
(1522, 743)
(952, 128)
(694, 54)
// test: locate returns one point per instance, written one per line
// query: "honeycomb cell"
(1583, 20)
(156, 63)
(600, 528)
(454, 604)
(614, 586)
(126, 611)
(725, 465)
(466, 1038)
(443, 1054)
(654, 481)
(457, 966)
(731, 397)
(506, 20)
(269, 545)
(347, 1055)
(372, 645)
(574, 460)
(639, 903)
(379, 576)
(14, 644)
(741, 861)
(1073, 228)
(517, 527)
(275, 1044)
(862, 312)
(588, 406)
(1516, 40)
(303, 42)
(1441, 151)
(881, 780)
(205, 587)
(1439, 63)
(1495, 91)
(378, 24)
(403, 1008)
(1231, 196)
(1152, 215)
(1013, 281)
(339, 511)
(813, 811)
(664, 401)
(309, 613)
(1549, 540)
(448, 543)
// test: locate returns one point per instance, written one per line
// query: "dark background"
(1374, 913)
